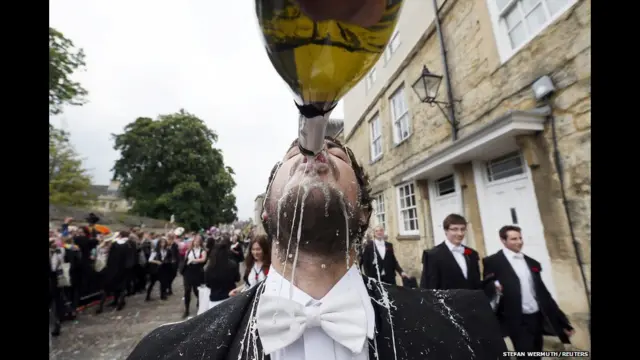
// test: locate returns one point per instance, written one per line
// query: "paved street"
(113, 334)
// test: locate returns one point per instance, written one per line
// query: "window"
(392, 47)
(408, 224)
(505, 166)
(400, 116)
(379, 211)
(370, 79)
(519, 21)
(445, 185)
(376, 138)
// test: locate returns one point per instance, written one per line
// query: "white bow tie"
(458, 249)
(518, 256)
(282, 321)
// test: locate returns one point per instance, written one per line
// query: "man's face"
(379, 233)
(332, 167)
(513, 241)
(455, 233)
(321, 189)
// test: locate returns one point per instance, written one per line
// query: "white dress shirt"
(255, 275)
(315, 344)
(381, 247)
(519, 265)
(155, 256)
(458, 255)
(194, 254)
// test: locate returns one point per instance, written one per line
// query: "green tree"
(68, 181)
(64, 60)
(170, 166)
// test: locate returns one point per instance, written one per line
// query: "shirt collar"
(452, 246)
(511, 254)
(276, 285)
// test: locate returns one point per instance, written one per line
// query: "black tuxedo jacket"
(442, 272)
(389, 263)
(509, 311)
(457, 324)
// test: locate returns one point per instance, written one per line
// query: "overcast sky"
(151, 57)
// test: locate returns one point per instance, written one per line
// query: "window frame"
(391, 49)
(500, 31)
(370, 79)
(397, 138)
(401, 229)
(379, 199)
(372, 123)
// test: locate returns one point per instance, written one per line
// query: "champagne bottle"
(321, 60)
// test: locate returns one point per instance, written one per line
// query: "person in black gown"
(115, 272)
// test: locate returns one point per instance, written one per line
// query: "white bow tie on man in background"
(458, 249)
(282, 321)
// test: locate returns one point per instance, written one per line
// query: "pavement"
(113, 334)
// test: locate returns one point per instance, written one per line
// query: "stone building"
(335, 129)
(257, 214)
(501, 168)
(109, 198)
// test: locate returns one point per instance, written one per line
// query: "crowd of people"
(216, 265)
(91, 262)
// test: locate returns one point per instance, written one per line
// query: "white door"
(507, 197)
(445, 199)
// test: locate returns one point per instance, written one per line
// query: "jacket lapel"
(448, 256)
(504, 262)
(246, 344)
(382, 342)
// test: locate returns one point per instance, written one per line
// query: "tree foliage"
(64, 60)
(170, 166)
(69, 182)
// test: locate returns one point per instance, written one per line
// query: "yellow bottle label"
(321, 60)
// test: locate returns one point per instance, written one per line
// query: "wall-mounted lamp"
(426, 87)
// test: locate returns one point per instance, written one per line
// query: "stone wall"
(117, 221)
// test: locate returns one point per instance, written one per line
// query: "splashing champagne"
(320, 60)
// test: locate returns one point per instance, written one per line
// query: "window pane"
(536, 19)
(556, 5)
(446, 185)
(501, 4)
(518, 35)
(513, 18)
(528, 5)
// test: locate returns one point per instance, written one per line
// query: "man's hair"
(364, 196)
(503, 231)
(453, 219)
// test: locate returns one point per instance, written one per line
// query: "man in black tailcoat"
(452, 265)
(379, 260)
(328, 310)
(524, 306)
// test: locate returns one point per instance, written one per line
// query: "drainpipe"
(557, 159)
(445, 66)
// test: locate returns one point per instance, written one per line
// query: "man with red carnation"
(452, 265)
(526, 311)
